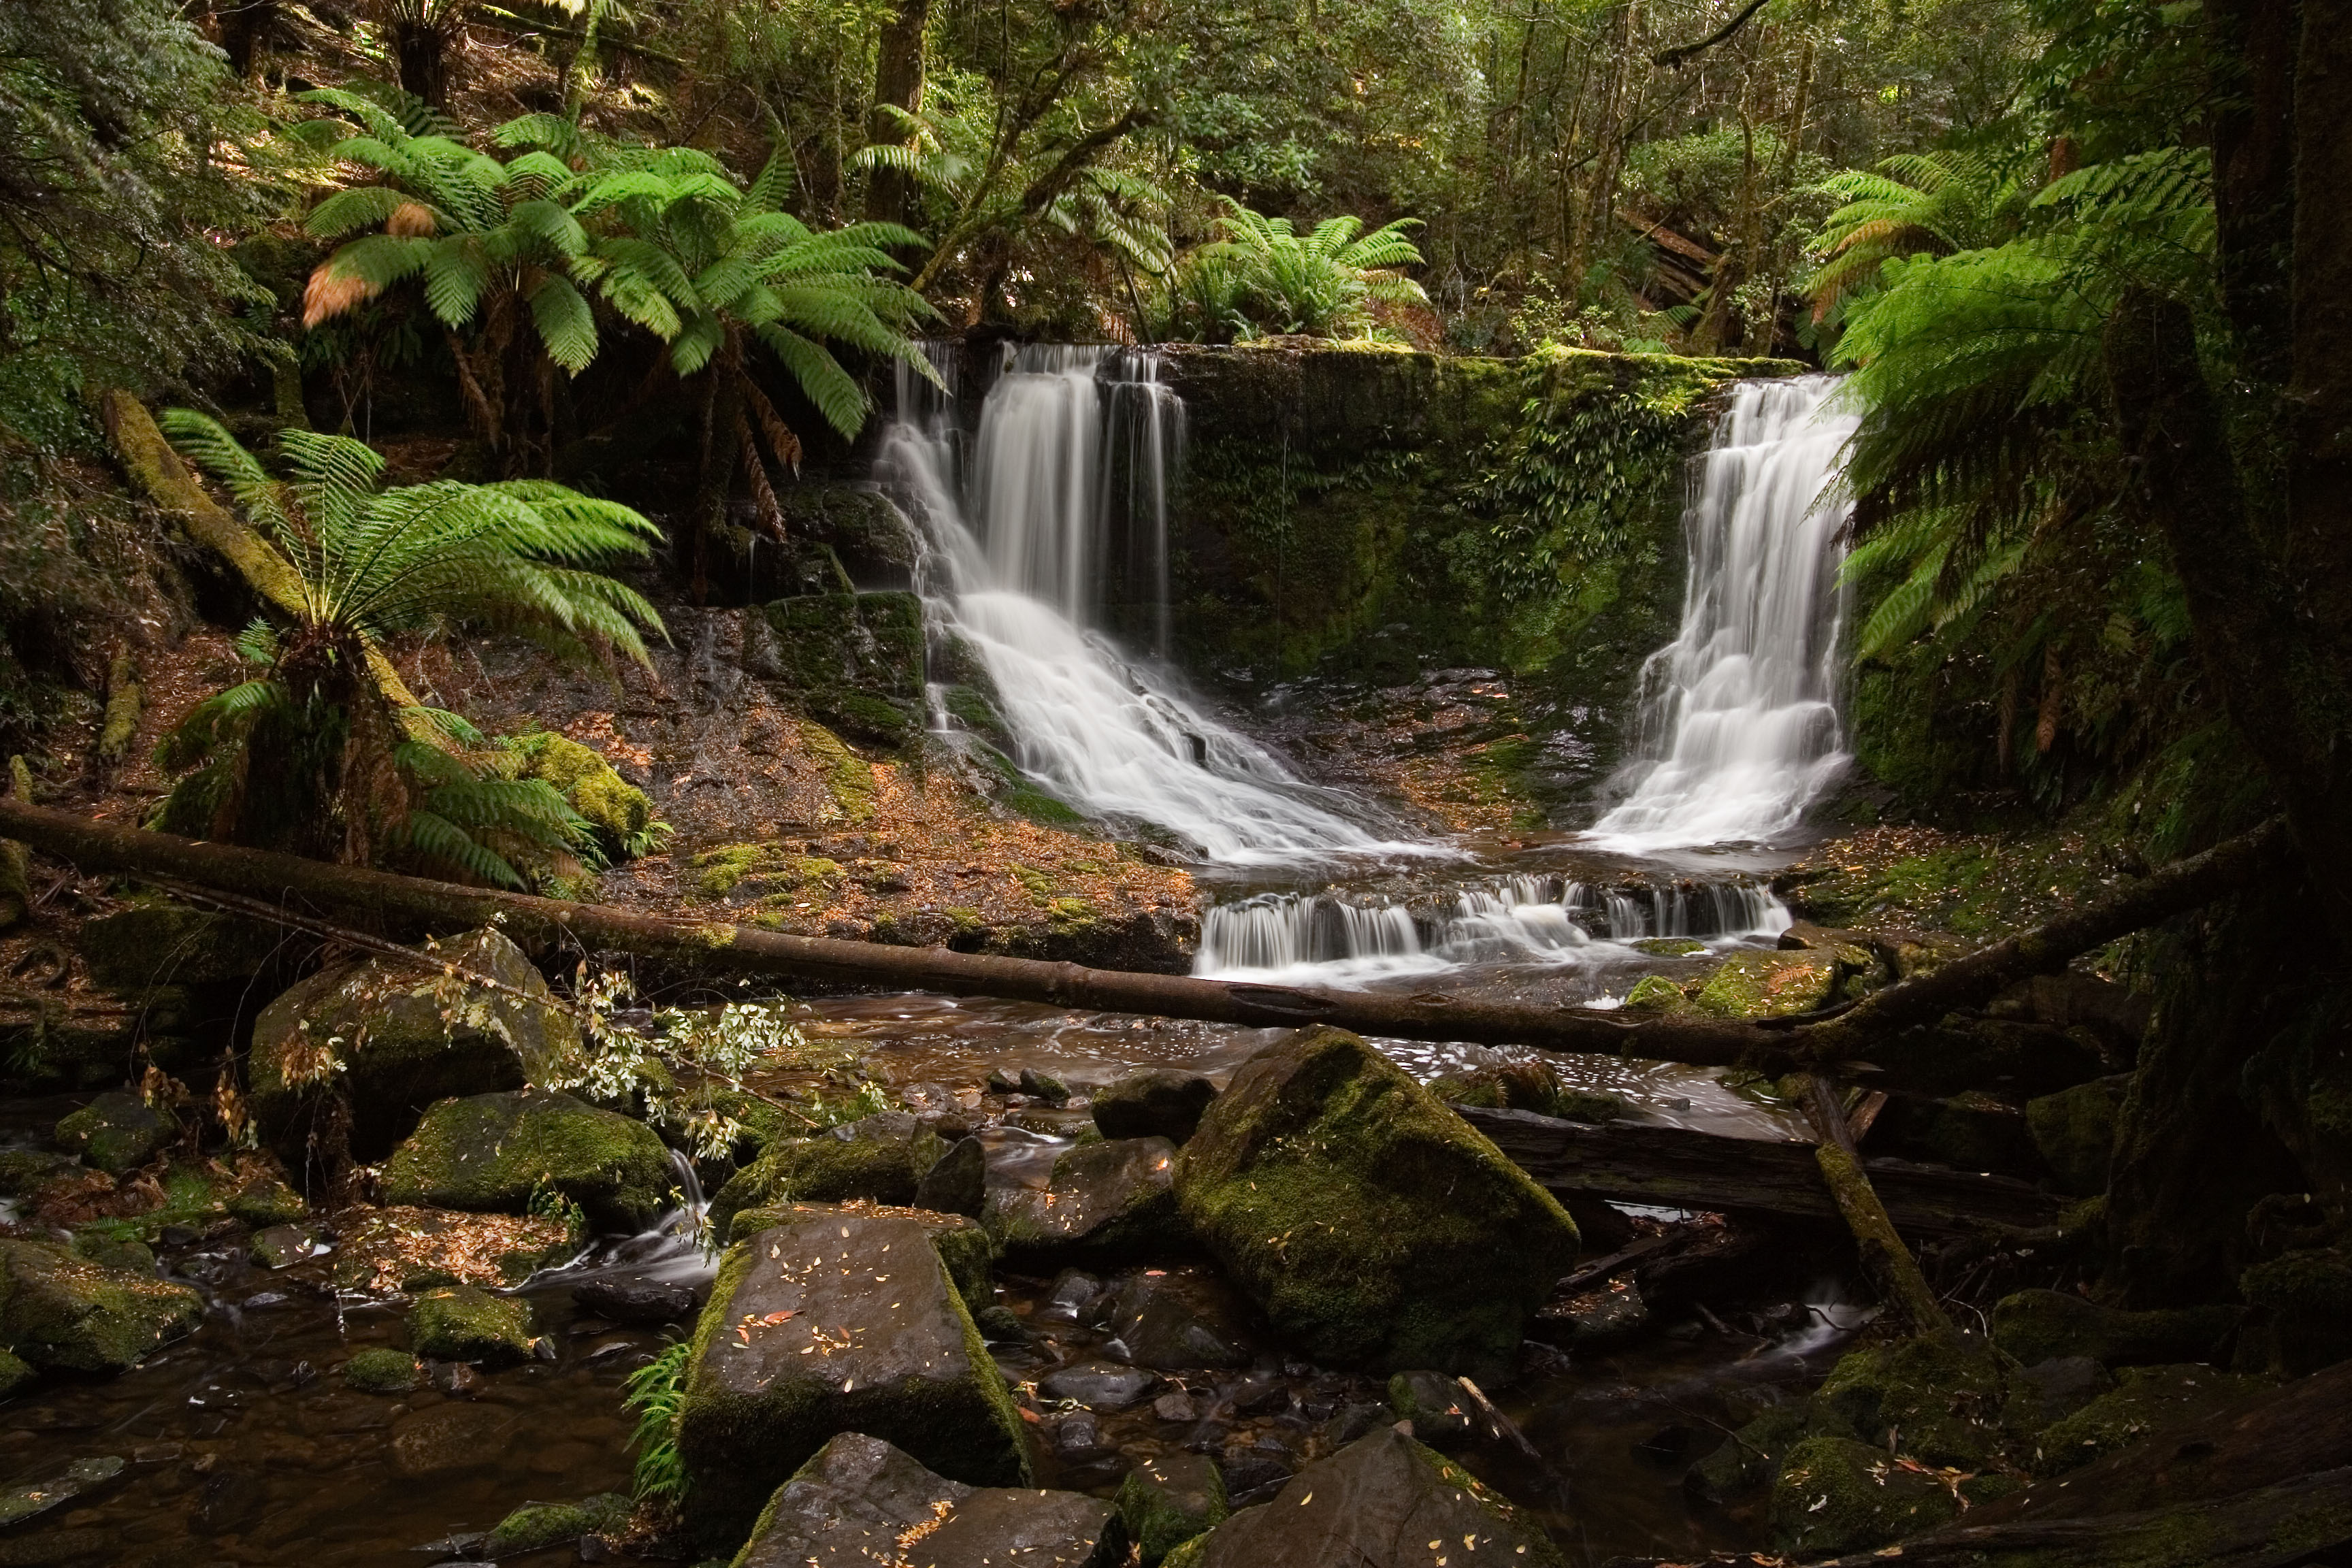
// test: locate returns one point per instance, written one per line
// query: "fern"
(657, 1392)
(1260, 276)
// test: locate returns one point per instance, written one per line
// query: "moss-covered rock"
(118, 1132)
(1432, 1402)
(496, 1153)
(619, 812)
(1372, 1225)
(262, 1197)
(1105, 1202)
(1834, 1494)
(15, 1373)
(2075, 1131)
(380, 1369)
(101, 1245)
(1748, 1459)
(855, 661)
(1169, 1499)
(2040, 1325)
(879, 1158)
(1655, 993)
(2303, 1299)
(390, 1042)
(1528, 1086)
(1769, 985)
(1377, 1504)
(1941, 1396)
(2146, 1399)
(965, 1249)
(60, 1311)
(826, 1323)
(23, 1172)
(158, 941)
(461, 1322)
(537, 1526)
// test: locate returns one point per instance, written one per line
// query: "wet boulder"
(1167, 1499)
(60, 1311)
(859, 1501)
(957, 1181)
(645, 1302)
(15, 1374)
(962, 1246)
(1105, 1202)
(263, 1198)
(2039, 1325)
(118, 1132)
(1773, 985)
(879, 1158)
(495, 1153)
(826, 1322)
(1156, 1102)
(1834, 1494)
(390, 1042)
(163, 943)
(1157, 1321)
(2145, 1399)
(1097, 1384)
(1749, 1458)
(1941, 1398)
(538, 1526)
(1377, 1504)
(1432, 1402)
(1371, 1224)
(2049, 1391)
(464, 1322)
(379, 1251)
(380, 1369)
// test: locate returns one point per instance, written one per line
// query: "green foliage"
(1261, 277)
(656, 1392)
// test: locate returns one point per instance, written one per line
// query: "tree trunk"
(892, 196)
(421, 48)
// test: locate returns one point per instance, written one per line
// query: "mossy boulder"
(538, 1526)
(1372, 1225)
(1107, 1202)
(1155, 1103)
(118, 1132)
(60, 1311)
(494, 1152)
(831, 1323)
(1655, 993)
(15, 1374)
(1769, 985)
(99, 1244)
(1169, 1499)
(380, 1369)
(2075, 1131)
(1750, 1457)
(1834, 1494)
(1941, 1396)
(2041, 1325)
(1432, 1402)
(619, 810)
(964, 1247)
(2303, 1299)
(396, 1248)
(162, 943)
(2146, 1399)
(262, 1198)
(1528, 1086)
(855, 660)
(1376, 1503)
(879, 1158)
(463, 1323)
(390, 1042)
(23, 1172)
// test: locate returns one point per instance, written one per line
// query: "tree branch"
(1673, 59)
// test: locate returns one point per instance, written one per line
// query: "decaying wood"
(1884, 1258)
(1673, 1167)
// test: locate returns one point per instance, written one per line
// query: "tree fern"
(1261, 276)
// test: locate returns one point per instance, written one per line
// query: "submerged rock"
(827, 1322)
(1107, 1202)
(1749, 1458)
(1377, 1504)
(2039, 1325)
(80, 1479)
(392, 1042)
(118, 1132)
(878, 1158)
(859, 1501)
(60, 1311)
(461, 1322)
(1156, 1102)
(1168, 1499)
(648, 1301)
(284, 1246)
(380, 1369)
(1372, 1225)
(1097, 1384)
(496, 1153)
(1159, 1325)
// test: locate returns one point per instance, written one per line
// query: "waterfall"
(1074, 445)
(1740, 720)
(1503, 920)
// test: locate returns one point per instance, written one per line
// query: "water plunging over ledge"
(1739, 721)
(1076, 444)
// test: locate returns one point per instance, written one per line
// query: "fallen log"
(1673, 1167)
(1885, 1257)
(384, 901)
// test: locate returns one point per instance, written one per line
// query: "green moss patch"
(500, 1152)
(460, 1322)
(380, 1369)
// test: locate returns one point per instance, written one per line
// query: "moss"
(878, 1158)
(122, 703)
(499, 1153)
(1834, 1494)
(461, 1322)
(1371, 1224)
(1165, 1502)
(2306, 1299)
(1942, 1395)
(2075, 1131)
(2146, 1398)
(768, 870)
(2039, 1325)
(537, 1526)
(1748, 1458)
(59, 1311)
(619, 811)
(118, 1132)
(380, 1369)
(1769, 985)
(15, 1374)
(264, 1199)
(1657, 993)
(848, 778)
(1669, 946)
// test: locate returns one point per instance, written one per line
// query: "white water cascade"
(1739, 726)
(1072, 440)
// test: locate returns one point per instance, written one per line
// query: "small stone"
(1071, 1294)
(1157, 1102)
(1098, 1385)
(463, 1323)
(457, 1380)
(1177, 1408)
(1432, 1402)
(1045, 1086)
(1078, 1436)
(283, 1245)
(381, 1369)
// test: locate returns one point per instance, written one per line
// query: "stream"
(242, 1447)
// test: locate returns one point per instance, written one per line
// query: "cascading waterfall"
(1018, 571)
(1536, 919)
(1740, 712)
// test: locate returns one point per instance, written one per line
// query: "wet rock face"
(1371, 1224)
(59, 1310)
(1378, 1503)
(957, 1181)
(2038, 1325)
(855, 659)
(879, 1158)
(491, 1152)
(1107, 1202)
(1167, 1500)
(963, 1246)
(833, 1322)
(118, 1132)
(403, 1041)
(1158, 1103)
(859, 1501)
